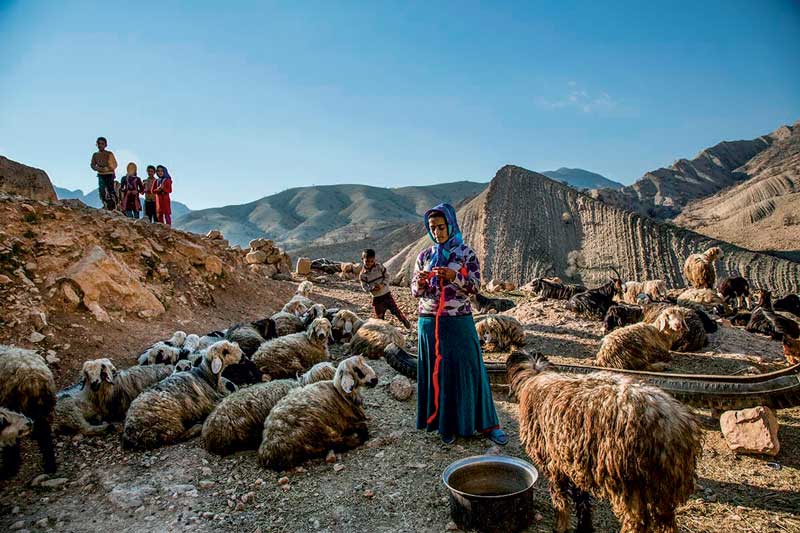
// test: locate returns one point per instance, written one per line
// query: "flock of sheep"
(293, 403)
(597, 435)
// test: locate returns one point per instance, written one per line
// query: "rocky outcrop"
(664, 192)
(264, 258)
(22, 180)
(519, 230)
(762, 213)
(753, 430)
(103, 283)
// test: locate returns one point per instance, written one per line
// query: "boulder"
(401, 388)
(214, 234)
(303, 266)
(22, 180)
(213, 265)
(261, 244)
(107, 283)
(255, 257)
(264, 270)
(196, 254)
(752, 430)
(274, 258)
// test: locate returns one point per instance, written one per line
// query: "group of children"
(124, 195)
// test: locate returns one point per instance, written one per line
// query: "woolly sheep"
(707, 299)
(693, 337)
(699, 269)
(13, 428)
(313, 419)
(27, 387)
(237, 422)
(173, 409)
(656, 290)
(305, 289)
(344, 324)
(287, 323)
(76, 406)
(249, 336)
(298, 305)
(372, 338)
(287, 356)
(161, 353)
(497, 333)
(605, 435)
(641, 346)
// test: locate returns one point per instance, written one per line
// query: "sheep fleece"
(634, 347)
(505, 330)
(373, 337)
(287, 356)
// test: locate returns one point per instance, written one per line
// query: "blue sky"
(247, 100)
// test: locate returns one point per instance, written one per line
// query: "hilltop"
(92, 199)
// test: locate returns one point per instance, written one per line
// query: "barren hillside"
(524, 223)
(762, 213)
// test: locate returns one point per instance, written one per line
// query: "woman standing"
(453, 393)
(163, 188)
(130, 190)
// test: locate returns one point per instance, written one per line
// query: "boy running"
(373, 280)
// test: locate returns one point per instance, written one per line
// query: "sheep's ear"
(348, 326)
(348, 382)
(216, 365)
(107, 375)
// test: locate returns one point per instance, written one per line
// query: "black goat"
(555, 291)
(621, 315)
(764, 320)
(790, 303)
(595, 302)
(737, 288)
(484, 304)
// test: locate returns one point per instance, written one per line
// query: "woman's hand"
(422, 277)
(447, 274)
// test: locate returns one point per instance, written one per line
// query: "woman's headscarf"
(442, 252)
(166, 174)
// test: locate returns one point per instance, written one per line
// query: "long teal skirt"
(465, 398)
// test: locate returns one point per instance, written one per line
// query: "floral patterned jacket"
(456, 293)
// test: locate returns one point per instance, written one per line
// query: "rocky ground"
(390, 484)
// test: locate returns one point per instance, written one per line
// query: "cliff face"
(22, 180)
(762, 213)
(525, 223)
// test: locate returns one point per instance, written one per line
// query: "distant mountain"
(664, 192)
(92, 199)
(329, 217)
(762, 212)
(581, 179)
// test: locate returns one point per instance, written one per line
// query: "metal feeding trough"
(491, 493)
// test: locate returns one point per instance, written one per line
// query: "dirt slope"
(524, 222)
(762, 213)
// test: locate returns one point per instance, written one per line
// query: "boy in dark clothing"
(373, 280)
(104, 163)
(149, 195)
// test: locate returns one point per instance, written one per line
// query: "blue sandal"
(498, 436)
(448, 439)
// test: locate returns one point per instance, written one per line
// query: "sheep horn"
(778, 390)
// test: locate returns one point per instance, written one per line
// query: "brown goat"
(607, 436)
(699, 269)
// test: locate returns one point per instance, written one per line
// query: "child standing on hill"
(130, 190)
(373, 280)
(149, 195)
(104, 163)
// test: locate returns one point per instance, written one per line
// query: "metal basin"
(491, 493)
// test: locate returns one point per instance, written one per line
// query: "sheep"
(791, 349)
(699, 270)
(305, 289)
(192, 343)
(184, 365)
(312, 313)
(606, 435)
(641, 346)
(595, 302)
(286, 356)
(499, 332)
(13, 428)
(372, 338)
(766, 321)
(237, 422)
(313, 419)
(735, 288)
(319, 372)
(125, 387)
(344, 324)
(707, 299)
(249, 336)
(161, 353)
(484, 304)
(656, 290)
(789, 303)
(549, 288)
(172, 410)
(741, 318)
(27, 387)
(693, 337)
(287, 323)
(621, 315)
(76, 406)
(298, 305)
